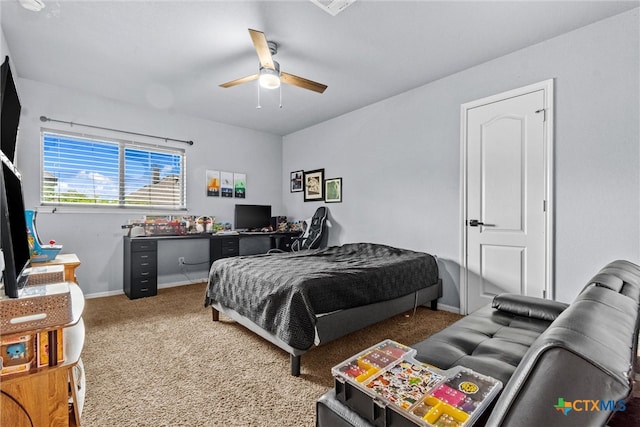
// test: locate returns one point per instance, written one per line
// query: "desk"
(141, 256)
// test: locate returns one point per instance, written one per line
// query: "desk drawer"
(230, 247)
(144, 287)
(142, 272)
(144, 245)
(143, 259)
(230, 243)
(144, 264)
(230, 251)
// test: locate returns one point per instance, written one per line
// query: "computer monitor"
(13, 232)
(252, 217)
(9, 112)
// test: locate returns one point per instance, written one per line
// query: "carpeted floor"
(161, 361)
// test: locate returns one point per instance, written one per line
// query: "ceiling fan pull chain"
(258, 86)
(280, 96)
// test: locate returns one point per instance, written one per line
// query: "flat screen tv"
(13, 232)
(252, 217)
(10, 112)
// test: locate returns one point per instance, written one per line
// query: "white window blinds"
(82, 170)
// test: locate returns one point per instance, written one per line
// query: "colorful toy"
(16, 351)
(38, 251)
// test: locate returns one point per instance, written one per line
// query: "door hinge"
(544, 113)
(544, 294)
(544, 206)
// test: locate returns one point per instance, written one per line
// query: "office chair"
(316, 229)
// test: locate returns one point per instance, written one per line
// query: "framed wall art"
(240, 185)
(333, 190)
(314, 185)
(213, 183)
(226, 184)
(296, 181)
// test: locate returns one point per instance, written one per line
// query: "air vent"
(333, 7)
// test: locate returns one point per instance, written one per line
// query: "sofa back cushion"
(585, 359)
(619, 276)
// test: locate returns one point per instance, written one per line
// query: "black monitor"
(13, 232)
(10, 112)
(252, 217)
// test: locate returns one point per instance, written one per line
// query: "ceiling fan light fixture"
(270, 78)
(33, 5)
(333, 7)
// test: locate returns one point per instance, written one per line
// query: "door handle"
(475, 223)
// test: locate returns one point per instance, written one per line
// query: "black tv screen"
(252, 217)
(10, 112)
(14, 234)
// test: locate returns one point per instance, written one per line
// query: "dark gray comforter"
(282, 293)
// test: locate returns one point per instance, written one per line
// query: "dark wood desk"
(140, 255)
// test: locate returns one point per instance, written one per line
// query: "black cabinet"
(140, 267)
(223, 247)
(284, 241)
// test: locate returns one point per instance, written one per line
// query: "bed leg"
(215, 314)
(434, 304)
(295, 365)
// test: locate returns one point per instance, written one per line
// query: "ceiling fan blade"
(239, 81)
(262, 48)
(302, 82)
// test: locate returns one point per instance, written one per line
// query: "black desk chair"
(316, 229)
(313, 235)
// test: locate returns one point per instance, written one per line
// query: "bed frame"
(331, 326)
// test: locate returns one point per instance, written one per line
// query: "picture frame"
(226, 184)
(295, 180)
(239, 185)
(333, 190)
(213, 183)
(314, 185)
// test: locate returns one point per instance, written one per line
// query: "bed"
(300, 299)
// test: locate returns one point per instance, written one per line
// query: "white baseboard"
(449, 308)
(183, 283)
(102, 294)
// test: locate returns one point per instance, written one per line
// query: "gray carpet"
(161, 361)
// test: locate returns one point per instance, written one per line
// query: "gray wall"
(95, 234)
(400, 158)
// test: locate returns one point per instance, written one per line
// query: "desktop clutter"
(174, 225)
(182, 225)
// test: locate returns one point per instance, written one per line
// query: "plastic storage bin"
(388, 387)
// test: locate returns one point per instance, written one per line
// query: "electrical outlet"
(181, 261)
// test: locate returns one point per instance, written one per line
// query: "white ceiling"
(173, 54)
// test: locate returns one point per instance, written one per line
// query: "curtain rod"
(47, 119)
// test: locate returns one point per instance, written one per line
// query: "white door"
(506, 206)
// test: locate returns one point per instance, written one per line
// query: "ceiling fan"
(269, 74)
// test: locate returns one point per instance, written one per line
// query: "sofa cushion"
(489, 341)
(528, 306)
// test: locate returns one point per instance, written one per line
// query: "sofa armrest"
(523, 305)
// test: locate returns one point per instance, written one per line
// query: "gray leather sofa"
(546, 353)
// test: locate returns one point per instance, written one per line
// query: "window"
(86, 170)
